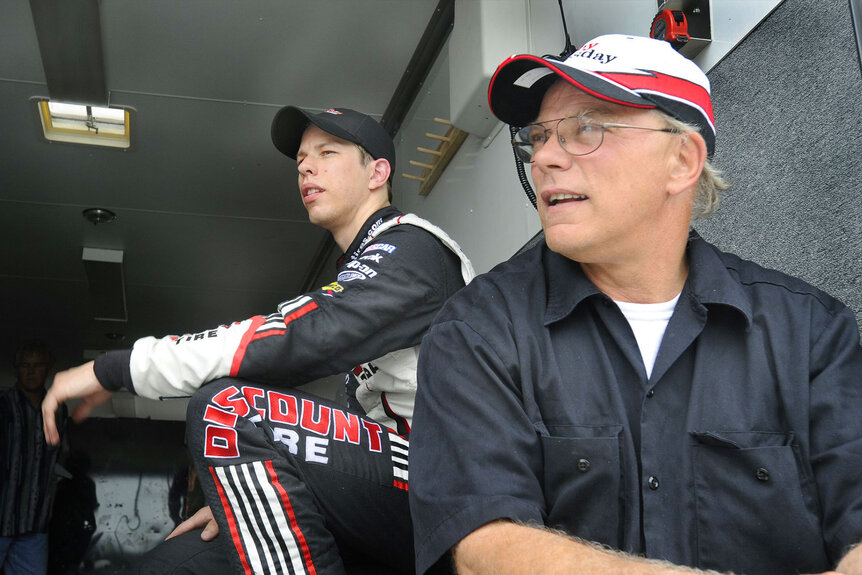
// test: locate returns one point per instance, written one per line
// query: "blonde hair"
(710, 183)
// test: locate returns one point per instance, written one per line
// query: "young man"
(26, 465)
(293, 480)
(624, 389)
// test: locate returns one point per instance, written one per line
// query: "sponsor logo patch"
(296, 422)
(362, 268)
(373, 258)
(196, 336)
(349, 276)
(388, 248)
(365, 371)
(334, 287)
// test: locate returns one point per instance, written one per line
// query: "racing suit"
(292, 479)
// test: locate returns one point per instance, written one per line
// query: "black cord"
(522, 173)
(519, 165)
(569, 48)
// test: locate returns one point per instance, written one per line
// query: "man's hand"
(203, 517)
(851, 564)
(77, 382)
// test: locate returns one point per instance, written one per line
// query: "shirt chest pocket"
(582, 481)
(752, 490)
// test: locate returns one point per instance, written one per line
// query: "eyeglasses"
(577, 135)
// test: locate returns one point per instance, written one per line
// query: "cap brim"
(516, 99)
(289, 125)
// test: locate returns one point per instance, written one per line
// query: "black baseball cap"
(290, 123)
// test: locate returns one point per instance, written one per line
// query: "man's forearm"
(502, 547)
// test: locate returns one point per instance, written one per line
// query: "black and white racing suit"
(292, 477)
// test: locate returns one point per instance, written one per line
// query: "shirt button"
(583, 465)
(762, 474)
(653, 482)
(650, 393)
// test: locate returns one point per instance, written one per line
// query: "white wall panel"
(479, 199)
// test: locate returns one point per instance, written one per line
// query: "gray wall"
(788, 108)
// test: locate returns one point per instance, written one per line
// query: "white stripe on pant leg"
(399, 473)
(263, 524)
(398, 440)
(252, 527)
(237, 506)
(395, 449)
(275, 505)
(272, 504)
(230, 493)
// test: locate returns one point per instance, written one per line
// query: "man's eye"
(537, 137)
(327, 152)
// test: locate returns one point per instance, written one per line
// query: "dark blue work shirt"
(742, 451)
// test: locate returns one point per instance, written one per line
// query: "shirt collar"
(567, 284)
(367, 229)
(710, 281)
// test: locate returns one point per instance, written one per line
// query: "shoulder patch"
(348, 276)
(334, 287)
(388, 248)
(372, 257)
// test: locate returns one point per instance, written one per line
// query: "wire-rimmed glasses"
(577, 135)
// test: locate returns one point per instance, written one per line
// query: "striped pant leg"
(291, 478)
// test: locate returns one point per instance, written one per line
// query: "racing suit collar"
(367, 230)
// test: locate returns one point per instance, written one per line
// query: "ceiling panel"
(275, 52)
(19, 51)
(208, 212)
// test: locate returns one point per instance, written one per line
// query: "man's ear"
(380, 173)
(687, 162)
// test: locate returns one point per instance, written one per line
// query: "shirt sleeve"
(836, 429)
(384, 300)
(474, 454)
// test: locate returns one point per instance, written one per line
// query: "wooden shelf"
(438, 158)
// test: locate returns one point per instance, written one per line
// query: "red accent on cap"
(670, 86)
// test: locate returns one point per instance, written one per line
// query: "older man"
(26, 465)
(624, 397)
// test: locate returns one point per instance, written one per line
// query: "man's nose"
(306, 166)
(551, 154)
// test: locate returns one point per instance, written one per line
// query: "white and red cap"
(627, 70)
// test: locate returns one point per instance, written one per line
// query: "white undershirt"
(648, 322)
